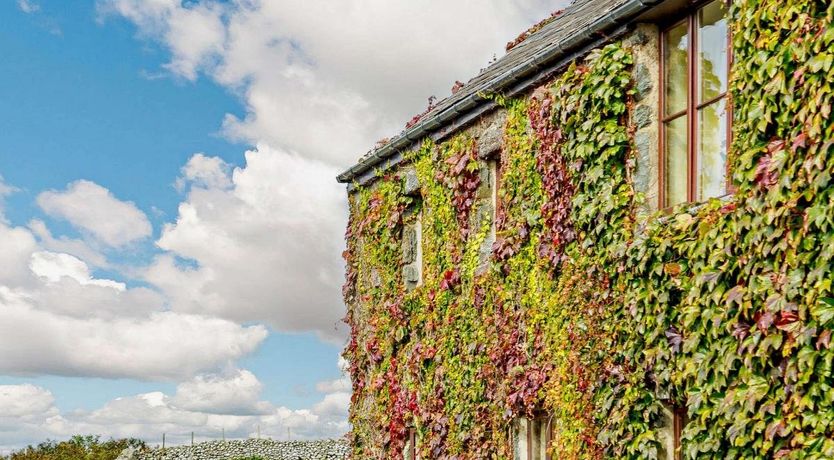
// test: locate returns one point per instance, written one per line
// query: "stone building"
(613, 242)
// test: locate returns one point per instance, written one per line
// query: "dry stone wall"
(265, 449)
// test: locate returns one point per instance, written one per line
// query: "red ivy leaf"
(786, 318)
(741, 330)
(799, 141)
(764, 320)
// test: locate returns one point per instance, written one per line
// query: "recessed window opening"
(695, 132)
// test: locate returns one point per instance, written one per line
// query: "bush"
(76, 448)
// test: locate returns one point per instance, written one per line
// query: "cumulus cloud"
(57, 318)
(16, 248)
(328, 78)
(63, 244)
(195, 32)
(160, 346)
(25, 410)
(95, 211)
(53, 267)
(265, 242)
(204, 171)
(236, 392)
(24, 400)
(28, 415)
(334, 386)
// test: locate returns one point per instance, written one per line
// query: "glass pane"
(676, 161)
(676, 76)
(712, 51)
(712, 150)
(520, 439)
(539, 439)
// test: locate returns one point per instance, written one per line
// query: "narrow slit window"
(410, 449)
(695, 132)
(418, 230)
(672, 424)
(412, 249)
(531, 438)
(494, 177)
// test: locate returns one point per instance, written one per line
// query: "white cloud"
(95, 211)
(334, 386)
(334, 405)
(235, 392)
(28, 415)
(267, 247)
(329, 78)
(195, 31)
(164, 346)
(206, 172)
(28, 6)
(160, 346)
(56, 318)
(25, 412)
(63, 244)
(55, 266)
(24, 400)
(16, 248)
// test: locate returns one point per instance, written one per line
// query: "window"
(672, 423)
(412, 250)
(696, 123)
(531, 438)
(410, 449)
(488, 208)
(494, 178)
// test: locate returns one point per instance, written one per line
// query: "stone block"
(411, 276)
(411, 184)
(642, 116)
(643, 81)
(491, 138)
(409, 244)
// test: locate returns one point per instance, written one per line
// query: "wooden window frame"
(689, 15)
(679, 420)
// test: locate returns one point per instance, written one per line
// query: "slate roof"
(578, 24)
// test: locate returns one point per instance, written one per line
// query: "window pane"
(712, 150)
(539, 439)
(712, 51)
(676, 161)
(676, 76)
(520, 439)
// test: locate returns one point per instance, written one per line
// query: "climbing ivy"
(568, 303)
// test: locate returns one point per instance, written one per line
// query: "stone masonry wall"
(245, 449)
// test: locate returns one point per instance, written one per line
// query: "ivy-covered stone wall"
(585, 307)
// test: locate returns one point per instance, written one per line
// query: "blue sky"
(170, 226)
(77, 104)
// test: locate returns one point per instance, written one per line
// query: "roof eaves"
(407, 140)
